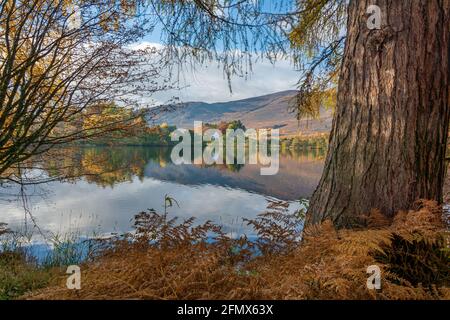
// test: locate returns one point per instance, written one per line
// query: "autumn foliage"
(165, 260)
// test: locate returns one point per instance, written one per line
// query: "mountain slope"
(269, 111)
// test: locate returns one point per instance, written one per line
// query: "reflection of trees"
(107, 166)
(102, 165)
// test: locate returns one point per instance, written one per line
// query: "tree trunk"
(388, 141)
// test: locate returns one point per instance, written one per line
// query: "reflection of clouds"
(85, 206)
(295, 179)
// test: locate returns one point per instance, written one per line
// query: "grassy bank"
(18, 275)
(24, 269)
(164, 259)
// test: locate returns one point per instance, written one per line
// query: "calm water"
(110, 185)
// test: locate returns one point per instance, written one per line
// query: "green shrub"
(19, 276)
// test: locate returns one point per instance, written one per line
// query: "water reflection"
(103, 187)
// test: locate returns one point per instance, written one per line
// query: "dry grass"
(332, 264)
(166, 260)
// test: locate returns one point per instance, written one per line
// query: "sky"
(209, 84)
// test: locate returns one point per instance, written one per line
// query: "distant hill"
(269, 111)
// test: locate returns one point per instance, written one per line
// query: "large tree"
(389, 136)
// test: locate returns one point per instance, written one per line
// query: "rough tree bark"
(388, 141)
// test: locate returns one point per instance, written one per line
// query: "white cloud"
(208, 83)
